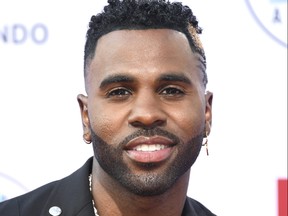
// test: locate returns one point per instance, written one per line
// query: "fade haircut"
(144, 14)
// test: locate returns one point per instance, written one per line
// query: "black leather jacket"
(71, 197)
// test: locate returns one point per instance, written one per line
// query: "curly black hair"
(143, 14)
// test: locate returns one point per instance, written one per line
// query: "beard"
(151, 181)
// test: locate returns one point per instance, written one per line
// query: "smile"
(149, 149)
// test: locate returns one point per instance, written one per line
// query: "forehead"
(142, 51)
(149, 41)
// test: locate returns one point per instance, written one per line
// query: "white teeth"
(149, 148)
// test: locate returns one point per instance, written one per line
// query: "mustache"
(149, 133)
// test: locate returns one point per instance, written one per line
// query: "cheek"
(188, 123)
(103, 126)
(108, 124)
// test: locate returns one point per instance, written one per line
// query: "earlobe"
(208, 111)
(208, 119)
(83, 104)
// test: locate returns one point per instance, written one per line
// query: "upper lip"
(144, 140)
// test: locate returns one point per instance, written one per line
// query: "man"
(146, 113)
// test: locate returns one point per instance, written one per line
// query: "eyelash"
(169, 92)
(172, 93)
(175, 92)
(117, 92)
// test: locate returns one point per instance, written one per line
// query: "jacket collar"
(73, 197)
(72, 194)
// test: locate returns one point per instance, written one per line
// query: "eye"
(172, 92)
(119, 93)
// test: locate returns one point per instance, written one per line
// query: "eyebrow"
(120, 78)
(175, 78)
(116, 78)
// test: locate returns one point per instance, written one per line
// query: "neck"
(113, 199)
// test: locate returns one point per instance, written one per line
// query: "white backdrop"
(41, 61)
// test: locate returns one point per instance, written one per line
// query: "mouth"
(149, 149)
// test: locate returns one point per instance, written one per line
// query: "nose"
(147, 113)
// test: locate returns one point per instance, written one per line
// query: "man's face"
(146, 110)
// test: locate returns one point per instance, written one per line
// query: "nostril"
(145, 125)
(147, 113)
(159, 123)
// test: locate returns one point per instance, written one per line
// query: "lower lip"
(149, 157)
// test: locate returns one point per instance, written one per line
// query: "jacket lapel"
(72, 194)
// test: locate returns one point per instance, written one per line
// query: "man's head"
(146, 109)
(143, 14)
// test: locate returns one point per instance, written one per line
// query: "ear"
(83, 104)
(208, 112)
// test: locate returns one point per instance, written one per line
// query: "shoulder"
(34, 201)
(193, 207)
(58, 193)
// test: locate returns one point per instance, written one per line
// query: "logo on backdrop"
(10, 187)
(19, 33)
(271, 15)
